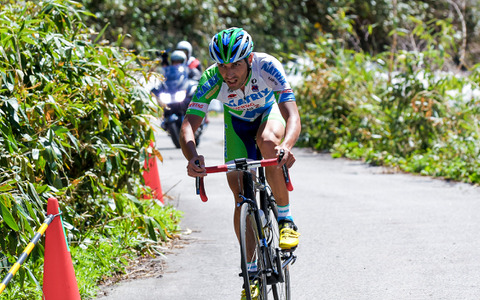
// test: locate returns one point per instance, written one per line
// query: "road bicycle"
(259, 216)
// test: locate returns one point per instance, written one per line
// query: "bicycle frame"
(264, 201)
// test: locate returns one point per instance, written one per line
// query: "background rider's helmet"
(185, 46)
(230, 45)
(178, 56)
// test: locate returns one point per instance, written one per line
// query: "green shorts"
(240, 135)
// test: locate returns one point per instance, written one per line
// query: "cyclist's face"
(235, 74)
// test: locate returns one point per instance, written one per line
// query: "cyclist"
(192, 61)
(179, 57)
(259, 108)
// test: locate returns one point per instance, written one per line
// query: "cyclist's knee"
(267, 146)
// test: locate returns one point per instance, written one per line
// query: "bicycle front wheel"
(254, 281)
(281, 288)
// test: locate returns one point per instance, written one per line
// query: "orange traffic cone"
(151, 175)
(59, 281)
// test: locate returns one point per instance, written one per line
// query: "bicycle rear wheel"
(249, 237)
(281, 290)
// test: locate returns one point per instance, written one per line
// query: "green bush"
(401, 109)
(74, 124)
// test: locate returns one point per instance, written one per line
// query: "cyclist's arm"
(189, 148)
(288, 107)
(290, 113)
(208, 88)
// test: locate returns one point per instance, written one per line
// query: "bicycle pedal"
(291, 250)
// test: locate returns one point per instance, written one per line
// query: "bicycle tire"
(281, 289)
(247, 221)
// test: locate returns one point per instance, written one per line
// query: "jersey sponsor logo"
(212, 92)
(285, 91)
(250, 98)
(201, 91)
(272, 70)
(249, 106)
(272, 80)
(232, 96)
(254, 88)
(254, 97)
(197, 106)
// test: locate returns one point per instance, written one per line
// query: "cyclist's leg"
(270, 135)
(239, 143)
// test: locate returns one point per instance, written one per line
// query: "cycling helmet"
(178, 55)
(186, 46)
(230, 45)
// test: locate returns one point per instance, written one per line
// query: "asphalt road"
(367, 233)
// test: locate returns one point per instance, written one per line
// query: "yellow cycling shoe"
(254, 292)
(288, 235)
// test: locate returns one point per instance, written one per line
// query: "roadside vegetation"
(75, 125)
(283, 27)
(388, 82)
(411, 108)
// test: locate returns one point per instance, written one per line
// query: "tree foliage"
(74, 124)
(281, 26)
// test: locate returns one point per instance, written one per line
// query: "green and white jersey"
(266, 85)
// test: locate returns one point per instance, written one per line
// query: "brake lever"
(199, 187)
(286, 175)
(197, 179)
